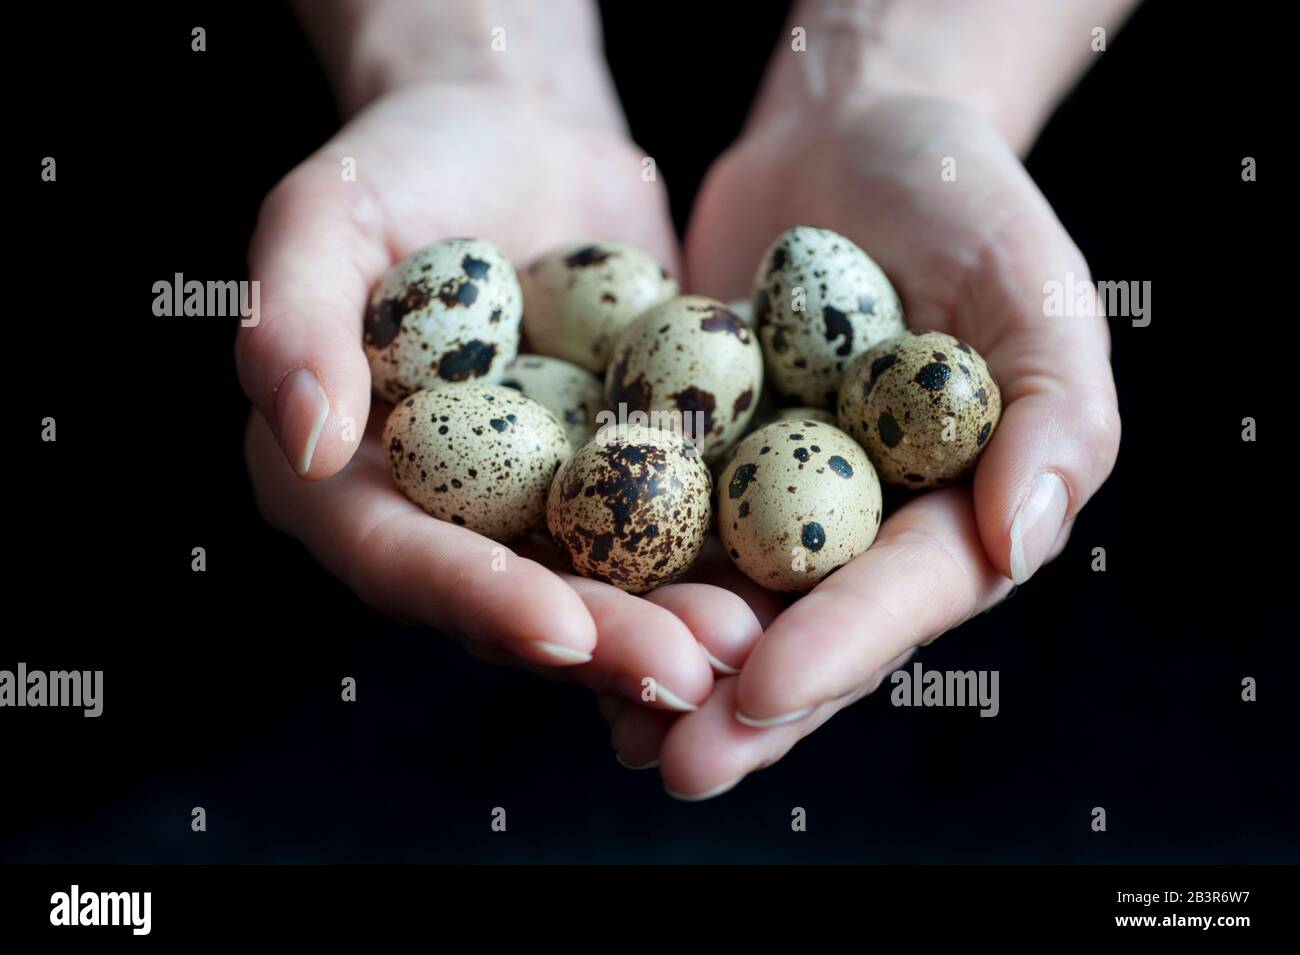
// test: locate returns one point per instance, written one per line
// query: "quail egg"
(744, 308)
(695, 362)
(481, 456)
(923, 405)
(819, 415)
(449, 312)
(631, 507)
(819, 301)
(580, 297)
(797, 500)
(574, 395)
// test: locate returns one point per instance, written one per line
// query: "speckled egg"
(631, 507)
(694, 359)
(819, 415)
(923, 405)
(449, 312)
(819, 301)
(580, 297)
(797, 500)
(481, 456)
(574, 395)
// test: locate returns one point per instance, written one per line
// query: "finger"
(725, 616)
(926, 572)
(500, 654)
(707, 753)
(628, 657)
(713, 566)
(637, 733)
(314, 258)
(1060, 428)
(723, 624)
(609, 705)
(644, 652)
(405, 563)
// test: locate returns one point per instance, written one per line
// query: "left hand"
(968, 257)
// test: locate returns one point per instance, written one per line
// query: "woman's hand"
(969, 257)
(898, 125)
(529, 162)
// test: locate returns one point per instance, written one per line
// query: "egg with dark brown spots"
(447, 313)
(481, 456)
(574, 395)
(819, 301)
(797, 500)
(693, 365)
(924, 406)
(744, 308)
(631, 507)
(579, 298)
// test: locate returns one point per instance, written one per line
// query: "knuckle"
(282, 197)
(361, 567)
(1097, 419)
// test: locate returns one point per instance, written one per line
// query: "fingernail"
(626, 765)
(635, 689)
(551, 653)
(718, 664)
(765, 722)
(671, 700)
(708, 793)
(1036, 525)
(301, 410)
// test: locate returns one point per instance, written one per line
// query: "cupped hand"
(969, 256)
(425, 163)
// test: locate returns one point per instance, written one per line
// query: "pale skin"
(851, 134)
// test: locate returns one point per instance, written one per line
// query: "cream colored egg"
(481, 456)
(797, 500)
(923, 405)
(819, 302)
(695, 360)
(631, 507)
(574, 395)
(811, 414)
(449, 312)
(580, 297)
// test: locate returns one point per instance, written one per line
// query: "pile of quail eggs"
(629, 473)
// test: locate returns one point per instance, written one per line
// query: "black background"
(1119, 689)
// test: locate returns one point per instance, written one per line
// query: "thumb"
(1059, 434)
(302, 364)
